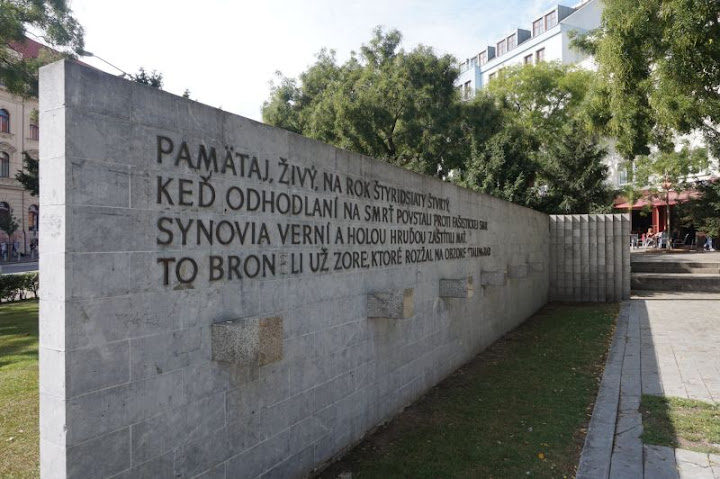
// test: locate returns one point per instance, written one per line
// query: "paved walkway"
(664, 344)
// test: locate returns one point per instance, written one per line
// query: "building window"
(540, 55)
(538, 26)
(551, 19)
(4, 121)
(34, 132)
(4, 165)
(467, 91)
(492, 77)
(483, 58)
(501, 47)
(622, 176)
(511, 41)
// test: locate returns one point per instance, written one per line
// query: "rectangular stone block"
(84, 460)
(256, 341)
(162, 353)
(391, 304)
(115, 408)
(492, 278)
(517, 271)
(98, 368)
(456, 288)
(167, 431)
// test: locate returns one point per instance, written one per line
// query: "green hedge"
(17, 286)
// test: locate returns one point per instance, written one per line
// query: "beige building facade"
(19, 132)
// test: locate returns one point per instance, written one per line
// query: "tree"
(562, 167)
(383, 102)
(503, 167)
(57, 27)
(8, 224)
(660, 60)
(28, 177)
(541, 98)
(703, 212)
(154, 79)
(573, 174)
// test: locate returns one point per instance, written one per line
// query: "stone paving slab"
(664, 344)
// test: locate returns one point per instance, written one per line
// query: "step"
(675, 267)
(690, 282)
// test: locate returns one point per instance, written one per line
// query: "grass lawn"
(519, 409)
(679, 422)
(19, 435)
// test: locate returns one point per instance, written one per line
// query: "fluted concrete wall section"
(590, 258)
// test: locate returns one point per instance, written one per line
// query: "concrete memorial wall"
(225, 299)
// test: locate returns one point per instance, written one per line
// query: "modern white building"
(547, 39)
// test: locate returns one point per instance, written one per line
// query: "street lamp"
(666, 186)
(123, 73)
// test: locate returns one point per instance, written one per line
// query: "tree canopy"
(524, 139)
(383, 102)
(55, 25)
(561, 160)
(660, 60)
(153, 79)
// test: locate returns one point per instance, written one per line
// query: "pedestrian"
(708, 246)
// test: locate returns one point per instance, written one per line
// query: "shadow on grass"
(519, 408)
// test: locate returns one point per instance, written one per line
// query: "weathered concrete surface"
(128, 383)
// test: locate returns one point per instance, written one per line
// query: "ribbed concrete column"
(593, 251)
(584, 258)
(619, 241)
(560, 251)
(553, 258)
(626, 256)
(568, 259)
(577, 259)
(601, 267)
(609, 259)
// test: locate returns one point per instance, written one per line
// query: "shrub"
(17, 286)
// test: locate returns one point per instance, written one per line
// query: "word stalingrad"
(323, 221)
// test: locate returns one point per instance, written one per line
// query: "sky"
(228, 52)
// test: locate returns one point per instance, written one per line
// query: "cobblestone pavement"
(664, 344)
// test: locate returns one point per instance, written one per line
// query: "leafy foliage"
(28, 177)
(153, 79)
(660, 60)
(58, 28)
(702, 212)
(17, 286)
(384, 102)
(8, 224)
(574, 174)
(558, 165)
